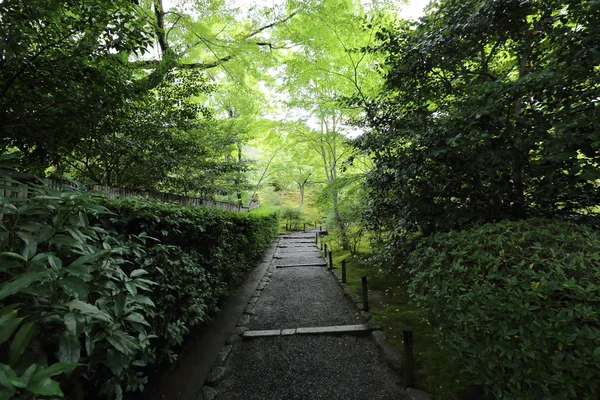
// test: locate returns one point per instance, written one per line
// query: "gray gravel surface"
(300, 297)
(312, 367)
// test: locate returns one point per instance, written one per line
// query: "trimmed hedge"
(203, 255)
(518, 303)
(95, 292)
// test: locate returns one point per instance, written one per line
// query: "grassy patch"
(435, 372)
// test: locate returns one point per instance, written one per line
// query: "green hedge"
(204, 254)
(95, 292)
(518, 303)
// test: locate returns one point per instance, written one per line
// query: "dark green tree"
(490, 111)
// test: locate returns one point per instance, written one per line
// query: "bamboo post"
(344, 271)
(316, 238)
(365, 293)
(330, 259)
(409, 368)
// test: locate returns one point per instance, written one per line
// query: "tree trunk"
(517, 171)
(340, 222)
(301, 197)
(281, 197)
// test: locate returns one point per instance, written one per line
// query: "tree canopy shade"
(64, 69)
(490, 111)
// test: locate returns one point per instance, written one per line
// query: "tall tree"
(489, 112)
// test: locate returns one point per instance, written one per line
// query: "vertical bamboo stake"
(344, 271)
(365, 293)
(409, 368)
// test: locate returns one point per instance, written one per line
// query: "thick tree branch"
(148, 64)
(272, 24)
(160, 25)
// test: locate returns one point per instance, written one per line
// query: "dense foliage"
(490, 111)
(518, 303)
(90, 298)
(74, 104)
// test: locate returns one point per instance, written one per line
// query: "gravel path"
(300, 297)
(311, 367)
(303, 366)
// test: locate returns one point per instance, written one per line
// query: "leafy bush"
(71, 301)
(203, 256)
(88, 297)
(292, 217)
(518, 303)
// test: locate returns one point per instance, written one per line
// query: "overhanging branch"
(150, 64)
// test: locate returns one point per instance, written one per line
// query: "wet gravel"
(309, 367)
(301, 297)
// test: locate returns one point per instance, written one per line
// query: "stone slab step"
(337, 330)
(301, 265)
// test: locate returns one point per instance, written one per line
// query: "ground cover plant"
(391, 307)
(90, 301)
(517, 303)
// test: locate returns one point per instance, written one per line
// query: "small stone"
(239, 330)
(257, 293)
(379, 337)
(374, 325)
(208, 393)
(415, 394)
(253, 300)
(287, 332)
(223, 354)
(365, 315)
(216, 375)
(233, 339)
(244, 320)
(250, 310)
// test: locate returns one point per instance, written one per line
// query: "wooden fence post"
(344, 271)
(409, 368)
(316, 238)
(365, 293)
(330, 259)
(325, 249)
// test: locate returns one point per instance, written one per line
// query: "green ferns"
(94, 291)
(518, 303)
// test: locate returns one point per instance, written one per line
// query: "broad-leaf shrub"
(518, 303)
(71, 300)
(88, 298)
(204, 255)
